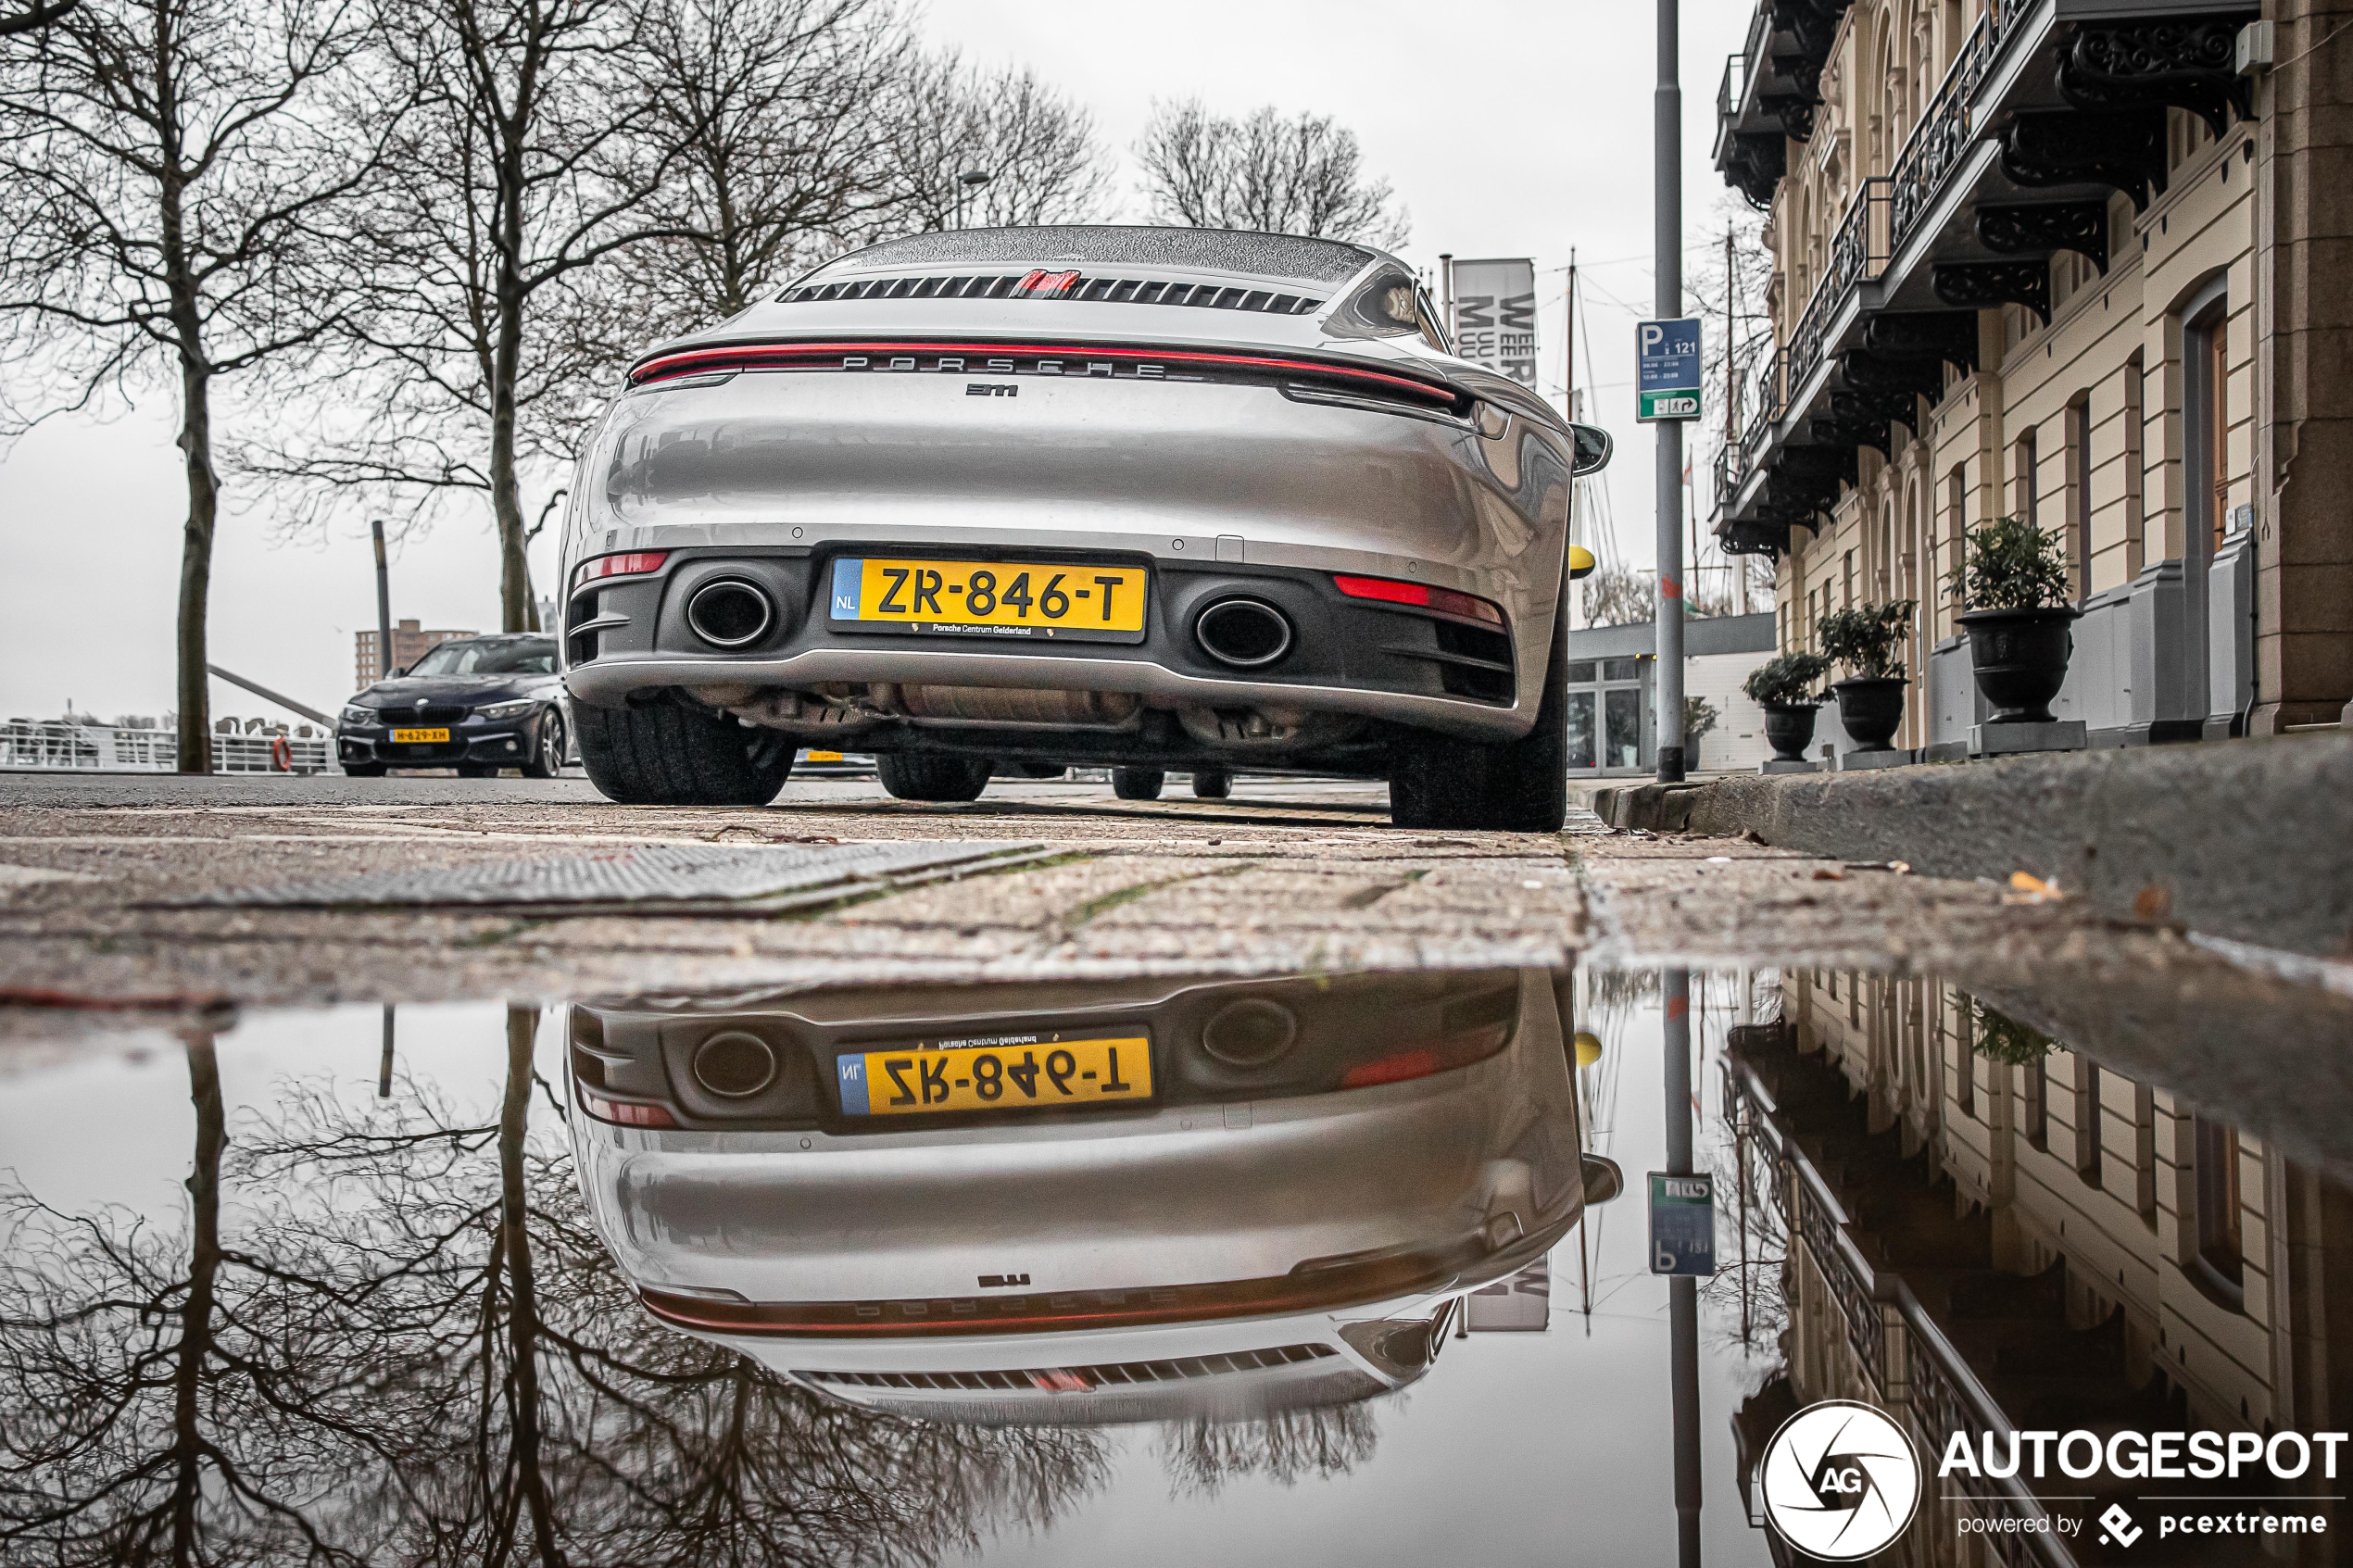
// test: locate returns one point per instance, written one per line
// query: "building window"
(2135, 556)
(2219, 1261)
(2087, 1121)
(2145, 1154)
(2206, 347)
(2038, 1104)
(2024, 499)
(2079, 493)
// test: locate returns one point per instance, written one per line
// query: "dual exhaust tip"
(1241, 634)
(728, 612)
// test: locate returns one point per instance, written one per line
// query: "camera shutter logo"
(1841, 1480)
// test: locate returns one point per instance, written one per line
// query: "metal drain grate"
(659, 878)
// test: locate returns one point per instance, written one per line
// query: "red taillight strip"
(630, 563)
(621, 1112)
(694, 361)
(1421, 596)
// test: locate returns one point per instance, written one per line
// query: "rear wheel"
(1212, 783)
(1515, 787)
(933, 778)
(669, 756)
(1137, 783)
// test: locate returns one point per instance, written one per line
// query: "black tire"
(1212, 783)
(1137, 783)
(363, 769)
(548, 760)
(671, 756)
(477, 770)
(933, 778)
(1528, 779)
(1517, 786)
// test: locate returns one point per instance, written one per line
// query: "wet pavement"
(1063, 1181)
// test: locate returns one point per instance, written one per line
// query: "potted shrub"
(1868, 641)
(2020, 626)
(1699, 718)
(1787, 688)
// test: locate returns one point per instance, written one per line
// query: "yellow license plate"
(418, 737)
(989, 598)
(825, 757)
(1019, 1073)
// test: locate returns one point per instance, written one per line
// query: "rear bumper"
(1351, 657)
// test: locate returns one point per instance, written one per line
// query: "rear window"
(1210, 250)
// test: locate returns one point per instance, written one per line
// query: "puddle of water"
(1159, 1269)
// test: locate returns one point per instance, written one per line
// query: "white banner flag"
(1495, 317)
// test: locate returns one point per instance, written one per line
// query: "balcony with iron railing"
(1983, 190)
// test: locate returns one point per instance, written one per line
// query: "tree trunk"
(196, 1321)
(506, 498)
(522, 1027)
(196, 565)
(196, 414)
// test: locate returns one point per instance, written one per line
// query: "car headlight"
(358, 715)
(508, 709)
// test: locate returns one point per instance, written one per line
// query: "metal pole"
(1682, 1292)
(384, 1067)
(1446, 290)
(384, 603)
(1667, 243)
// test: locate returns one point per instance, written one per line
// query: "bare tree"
(41, 13)
(168, 173)
(1037, 148)
(494, 331)
(770, 108)
(1303, 175)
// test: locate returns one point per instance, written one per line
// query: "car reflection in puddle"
(921, 1203)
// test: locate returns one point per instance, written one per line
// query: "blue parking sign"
(1666, 369)
(1682, 1225)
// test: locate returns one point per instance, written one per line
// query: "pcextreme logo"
(1841, 1480)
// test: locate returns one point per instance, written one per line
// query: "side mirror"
(1580, 564)
(1592, 449)
(1604, 1180)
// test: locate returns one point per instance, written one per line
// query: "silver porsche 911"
(1082, 1202)
(1011, 500)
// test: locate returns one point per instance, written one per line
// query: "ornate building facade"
(2077, 260)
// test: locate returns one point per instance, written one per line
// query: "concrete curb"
(2249, 839)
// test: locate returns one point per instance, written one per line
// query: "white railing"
(54, 747)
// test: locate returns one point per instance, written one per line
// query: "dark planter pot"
(1789, 730)
(2019, 659)
(1871, 709)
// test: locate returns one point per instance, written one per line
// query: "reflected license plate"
(1015, 1072)
(1103, 604)
(418, 737)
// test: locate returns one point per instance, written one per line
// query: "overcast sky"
(1509, 128)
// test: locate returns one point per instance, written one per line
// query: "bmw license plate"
(420, 737)
(1009, 1073)
(1103, 604)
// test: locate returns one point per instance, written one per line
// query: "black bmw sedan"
(475, 704)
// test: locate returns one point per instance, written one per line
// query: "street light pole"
(1682, 1291)
(1668, 242)
(970, 180)
(384, 603)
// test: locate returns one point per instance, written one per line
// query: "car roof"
(1232, 251)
